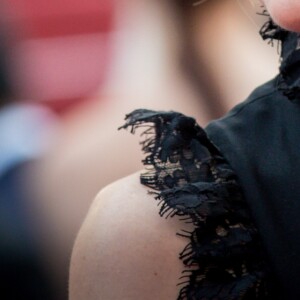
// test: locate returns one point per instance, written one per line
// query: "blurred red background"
(62, 52)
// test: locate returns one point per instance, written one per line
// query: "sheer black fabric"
(223, 257)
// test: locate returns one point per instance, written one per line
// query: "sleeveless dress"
(238, 182)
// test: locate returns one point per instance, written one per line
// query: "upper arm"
(124, 249)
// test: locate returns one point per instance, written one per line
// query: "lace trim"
(288, 81)
(223, 258)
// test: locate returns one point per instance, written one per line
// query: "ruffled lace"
(223, 258)
(288, 81)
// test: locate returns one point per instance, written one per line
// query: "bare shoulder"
(124, 249)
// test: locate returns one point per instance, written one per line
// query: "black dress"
(238, 182)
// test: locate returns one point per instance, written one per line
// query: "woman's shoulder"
(124, 250)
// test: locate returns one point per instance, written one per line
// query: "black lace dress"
(234, 251)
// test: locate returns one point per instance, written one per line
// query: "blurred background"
(69, 72)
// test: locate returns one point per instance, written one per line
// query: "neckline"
(288, 80)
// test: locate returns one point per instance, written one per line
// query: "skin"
(286, 13)
(125, 250)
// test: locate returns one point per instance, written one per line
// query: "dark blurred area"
(22, 272)
(53, 56)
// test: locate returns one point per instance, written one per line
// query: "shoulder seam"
(251, 102)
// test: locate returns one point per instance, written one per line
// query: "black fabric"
(260, 139)
(223, 258)
(288, 80)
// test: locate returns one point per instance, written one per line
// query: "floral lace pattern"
(223, 258)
